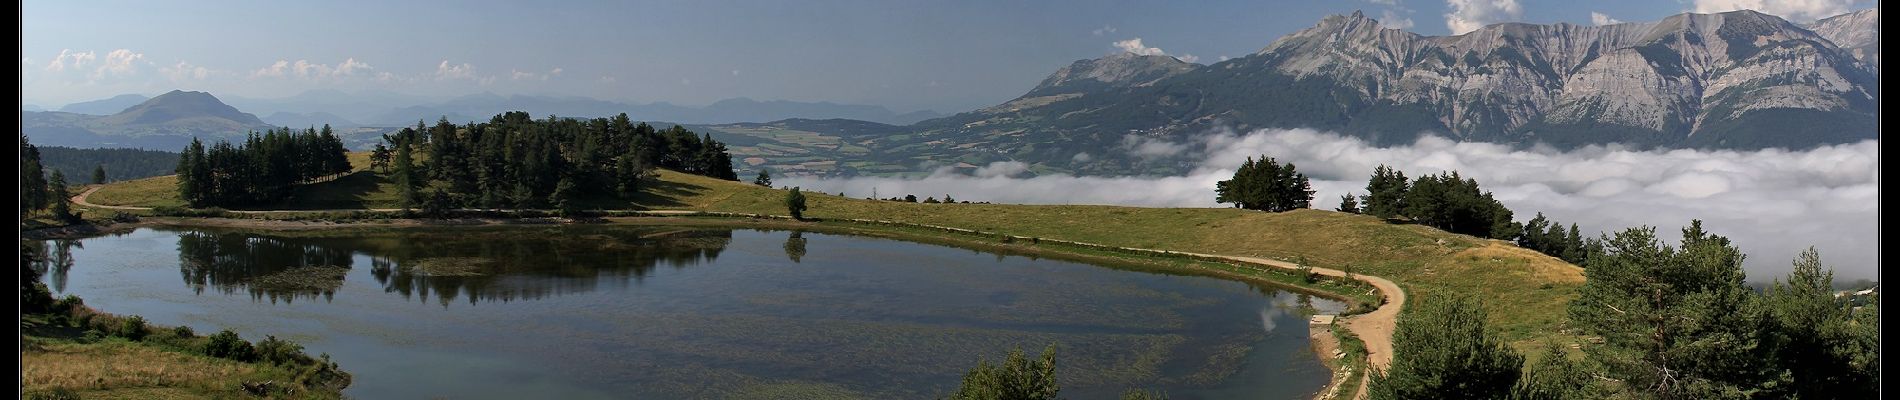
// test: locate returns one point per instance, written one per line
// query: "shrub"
(57, 393)
(1018, 378)
(279, 351)
(132, 327)
(226, 344)
(183, 332)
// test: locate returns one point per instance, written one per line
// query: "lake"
(597, 311)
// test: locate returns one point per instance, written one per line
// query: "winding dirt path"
(1375, 328)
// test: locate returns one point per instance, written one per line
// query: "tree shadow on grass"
(664, 194)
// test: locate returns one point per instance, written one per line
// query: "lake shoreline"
(1155, 261)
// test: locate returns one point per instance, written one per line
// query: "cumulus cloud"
(1795, 10)
(1469, 15)
(308, 70)
(67, 57)
(1134, 46)
(121, 62)
(1105, 29)
(184, 71)
(1393, 20)
(446, 71)
(1600, 19)
(1773, 203)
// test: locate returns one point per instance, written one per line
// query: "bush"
(58, 393)
(132, 327)
(183, 332)
(227, 345)
(1018, 378)
(280, 352)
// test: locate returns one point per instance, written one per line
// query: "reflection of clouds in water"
(1267, 314)
(1772, 203)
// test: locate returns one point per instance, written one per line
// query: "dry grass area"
(119, 369)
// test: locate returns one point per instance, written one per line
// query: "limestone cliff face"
(1735, 80)
(1668, 77)
(1857, 32)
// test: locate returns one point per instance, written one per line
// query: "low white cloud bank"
(1795, 10)
(1773, 203)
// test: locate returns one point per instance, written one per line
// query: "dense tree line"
(1674, 323)
(259, 171)
(1549, 237)
(118, 164)
(1266, 185)
(515, 161)
(1446, 201)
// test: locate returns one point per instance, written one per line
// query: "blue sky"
(906, 55)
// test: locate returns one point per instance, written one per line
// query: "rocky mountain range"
(1734, 80)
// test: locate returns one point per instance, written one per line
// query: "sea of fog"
(1772, 203)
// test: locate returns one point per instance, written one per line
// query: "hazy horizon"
(905, 56)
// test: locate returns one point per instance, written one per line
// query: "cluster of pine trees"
(1266, 185)
(37, 190)
(1548, 237)
(516, 161)
(1674, 322)
(1445, 201)
(259, 171)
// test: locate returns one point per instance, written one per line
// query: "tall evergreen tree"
(406, 179)
(33, 195)
(1676, 323)
(1825, 350)
(380, 158)
(1348, 204)
(764, 179)
(1386, 192)
(1441, 349)
(57, 188)
(795, 203)
(99, 175)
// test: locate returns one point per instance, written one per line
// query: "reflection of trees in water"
(511, 265)
(229, 262)
(490, 264)
(795, 246)
(55, 261)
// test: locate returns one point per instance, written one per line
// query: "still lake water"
(579, 312)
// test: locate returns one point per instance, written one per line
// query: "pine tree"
(1441, 349)
(33, 195)
(1348, 204)
(99, 175)
(764, 179)
(193, 185)
(1676, 323)
(1820, 344)
(379, 158)
(406, 177)
(57, 188)
(795, 203)
(566, 197)
(1386, 193)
